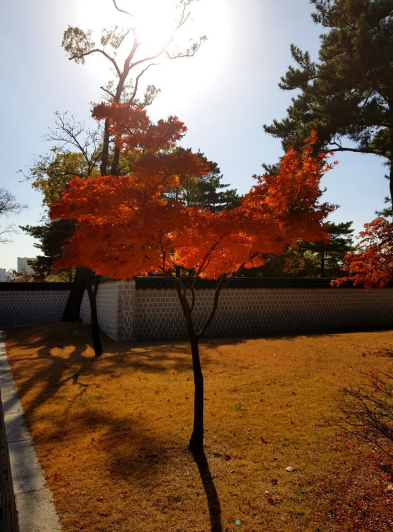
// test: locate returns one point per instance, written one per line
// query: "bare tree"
(8, 205)
(367, 410)
(86, 141)
(79, 44)
(85, 152)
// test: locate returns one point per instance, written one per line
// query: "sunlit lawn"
(112, 433)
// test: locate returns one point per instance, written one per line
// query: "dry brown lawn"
(112, 433)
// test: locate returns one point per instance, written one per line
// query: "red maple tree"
(128, 226)
(372, 263)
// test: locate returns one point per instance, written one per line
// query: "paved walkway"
(33, 501)
(2, 336)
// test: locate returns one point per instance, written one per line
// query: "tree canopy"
(323, 258)
(208, 192)
(346, 96)
(115, 43)
(50, 238)
(83, 151)
(135, 230)
(330, 253)
(371, 265)
(129, 225)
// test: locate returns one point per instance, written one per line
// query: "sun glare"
(155, 20)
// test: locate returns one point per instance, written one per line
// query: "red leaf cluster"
(372, 264)
(133, 130)
(126, 226)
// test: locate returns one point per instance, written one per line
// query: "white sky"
(224, 94)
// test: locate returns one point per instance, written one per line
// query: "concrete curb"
(26, 501)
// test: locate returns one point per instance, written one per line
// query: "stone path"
(33, 501)
(2, 333)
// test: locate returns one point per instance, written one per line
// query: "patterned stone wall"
(31, 306)
(263, 311)
(127, 308)
(149, 308)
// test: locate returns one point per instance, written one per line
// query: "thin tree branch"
(124, 36)
(137, 81)
(107, 91)
(79, 56)
(193, 294)
(181, 292)
(122, 10)
(355, 150)
(181, 22)
(72, 130)
(202, 266)
(222, 283)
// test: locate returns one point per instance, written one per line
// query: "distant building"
(3, 275)
(21, 265)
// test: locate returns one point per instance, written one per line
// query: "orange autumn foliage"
(126, 226)
(372, 265)
(133, 130)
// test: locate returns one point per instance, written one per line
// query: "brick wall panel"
(127, 314)
(262, 311)
(19, 309)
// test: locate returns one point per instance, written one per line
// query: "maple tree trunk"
(323, 264)
(105, 149)
(94, 317)
(196, 441)
(391, 178)
(73, 305)
(115, 162)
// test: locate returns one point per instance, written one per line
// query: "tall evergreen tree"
(208, 192)
(311, 259)
(50, 238)
(330, 254)
(347, 96)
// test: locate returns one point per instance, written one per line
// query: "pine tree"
(331, 253)
(347, 96)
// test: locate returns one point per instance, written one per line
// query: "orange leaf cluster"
(293, 195)
(133, 130)
(126, 226)
(372, 264)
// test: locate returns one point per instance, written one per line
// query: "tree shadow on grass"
(211, 493)
(38, 357)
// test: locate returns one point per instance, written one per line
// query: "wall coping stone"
(26, 501)
(34, 287)
(162, 283)
(238, 283)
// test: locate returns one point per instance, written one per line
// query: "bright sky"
(224, 94)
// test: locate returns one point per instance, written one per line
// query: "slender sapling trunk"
(196, 441)
(92, 292)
